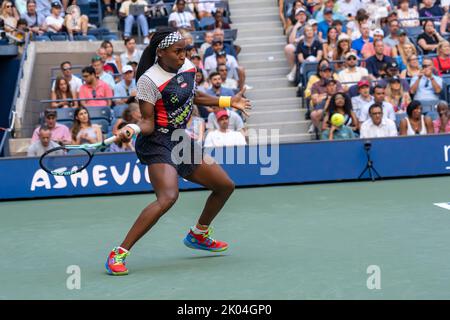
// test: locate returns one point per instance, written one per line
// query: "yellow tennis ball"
(337, 119)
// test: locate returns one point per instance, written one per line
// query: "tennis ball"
(337, 119)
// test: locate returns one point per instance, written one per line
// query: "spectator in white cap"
(126, 87)
(368, 49)
(54, 22)
(352, 73)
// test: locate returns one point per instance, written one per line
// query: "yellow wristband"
(224, 101)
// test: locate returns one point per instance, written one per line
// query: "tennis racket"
(71, 159)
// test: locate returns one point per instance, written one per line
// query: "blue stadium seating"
(59, 37)
(65, 114)
(99, 113)
(118, 110)
(104, 124)
(88, 37)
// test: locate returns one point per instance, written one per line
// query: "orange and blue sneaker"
(204, 242)
(115, 264)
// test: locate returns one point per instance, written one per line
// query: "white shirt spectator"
(206, 5)
(52, 20)
(387, 128)
(75, 84)
(359, 103)
(182, 20)
(388, 112)
(218, 138)
(36, 149)
(211, 64)
(135, 57)
(346, 76)
(410, 14)
(425, 89)
(346, 7)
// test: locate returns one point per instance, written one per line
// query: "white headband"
(170, 40)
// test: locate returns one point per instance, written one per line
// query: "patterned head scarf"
(170, 40)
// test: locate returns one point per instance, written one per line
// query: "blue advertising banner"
(111, 173)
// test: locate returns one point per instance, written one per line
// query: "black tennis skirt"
(183, 154)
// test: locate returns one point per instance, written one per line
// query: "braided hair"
(148, 57)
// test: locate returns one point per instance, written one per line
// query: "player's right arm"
(145, 126)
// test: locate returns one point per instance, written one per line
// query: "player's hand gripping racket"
(71, 159)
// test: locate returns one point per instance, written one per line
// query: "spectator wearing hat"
(43, 144)
(364, 100)
(378, 126)
(132, 53)
(315, 25)
(219, 36)
(348, 8)
(98, 64)
(408, 17)
(359, 43)
(235, 122)
(44, 7)
(34, 19)
(379, 94)
(130, 19)
(223, 136)
(289, 20)
(376, 62)
(54, 23)
(368, 49)
(323, 71)
(428, 40)
(59, 132)
(295, 35)
(180, 18)
(396, 95)
(94, 88)
(426, 85)
(221, 56)
(126, 87)
(320, 103)
(442, 123)
(442, 61)
(392, 70)
(352, 73)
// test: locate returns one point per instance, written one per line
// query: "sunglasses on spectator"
(68, 68)
(376, 113)
(8, 6)
(351, 58)
(426, 65)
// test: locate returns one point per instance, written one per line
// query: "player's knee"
(226, 188)
(167, 200)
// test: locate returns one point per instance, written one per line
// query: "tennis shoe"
(204, 242)
(115, 264)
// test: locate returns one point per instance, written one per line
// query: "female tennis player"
(166, 93)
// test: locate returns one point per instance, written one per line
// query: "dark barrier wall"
(292, 163)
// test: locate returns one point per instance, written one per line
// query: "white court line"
(443, 205)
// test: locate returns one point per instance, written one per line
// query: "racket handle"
(110, 140)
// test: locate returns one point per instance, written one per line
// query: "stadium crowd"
(382, 64)
(87, 106)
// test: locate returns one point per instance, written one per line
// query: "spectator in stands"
(330, 46)
(200, 80)
(343, 47)
(415, 123)
(235, 122)
(208, 38)
(196, 126)
(348, 8)
(98, 64)
(442, 123)
(123, 145)
(429, 39)
(433, 11)
(320, 103)
(219, 36)
(74, 82)
(206, 8)
(8, 17)
(197, 61)
(393, 38)
(322, 71)
(126, 87)
(325, 24)
(412, 67)
(378, 126)
(44, 6)
(63, 92)
(227, 82)
(378, 9)
(111, 58)
(368, 49)
(54, 23)
(352, 73)
(341, 103)
(59, 132)
(131, 52)
(359, 43)
(83, 131)
(354, 26)
(442, 61)
(319, 88)
(338, 133)
(396, 95)
(180, 18)
(43, 144)
(218, 21)
(290, 20)
(223, 135)
(309, 49)
(130, 19)
(132, 114)
(392, 70)
(408, 17)
(319, 15)
(379, 93)
(234, 70)
(426, 85)
(216, 86)
(294, 38)
(34, 20)
(364, 100)
(375, 62)
(94, 88)
(75, 22)
(402, 52)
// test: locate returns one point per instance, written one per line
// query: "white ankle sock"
(198, 231)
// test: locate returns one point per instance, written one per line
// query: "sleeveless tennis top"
(172, 94)
(411, 132)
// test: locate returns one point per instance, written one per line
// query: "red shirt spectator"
(442, 61)
(94, 88)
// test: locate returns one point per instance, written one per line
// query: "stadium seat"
(42, 38)
(307, 67)
(230, 34)
(155, 22)
(433, 115)
(118, 110)
(198, 36)
(65, 114)
(108, 37)
(428, 105)
(399, 117)
(413, 32)
(59, 37)
(206, 21)
(104, 124)
(88, 37)
(67, 123)
(100, 113)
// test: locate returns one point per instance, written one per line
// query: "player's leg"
(214, 178)
(164, 178)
